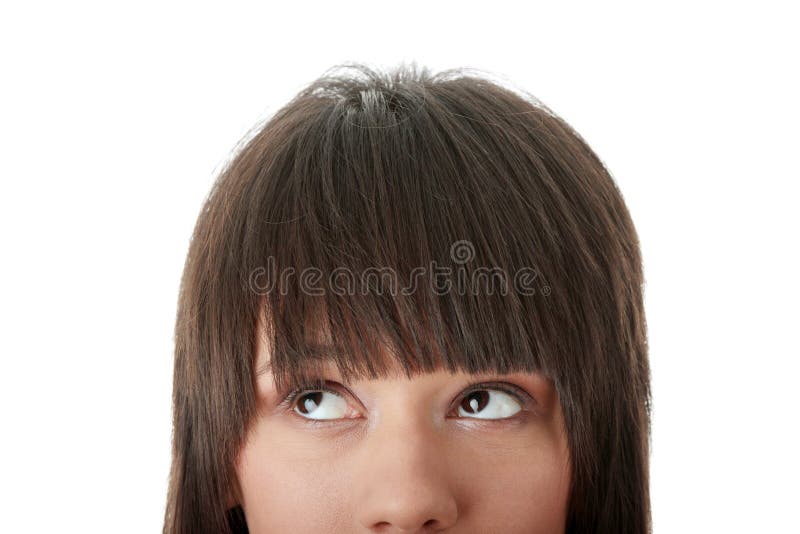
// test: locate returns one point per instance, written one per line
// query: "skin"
(406, 456)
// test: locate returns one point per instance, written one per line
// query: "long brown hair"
(405, 169)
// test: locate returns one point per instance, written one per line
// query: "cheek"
(532, 497)
(525, 489)
(287, 487)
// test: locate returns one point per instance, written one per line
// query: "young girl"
(412, 303)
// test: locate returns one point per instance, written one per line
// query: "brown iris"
(475, 401)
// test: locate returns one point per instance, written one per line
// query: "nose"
(402, 484)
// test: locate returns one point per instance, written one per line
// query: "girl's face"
(430, 454)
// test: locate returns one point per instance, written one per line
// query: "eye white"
(331, 406)
(499, 406)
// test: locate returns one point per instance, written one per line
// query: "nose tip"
(421, 521)
(413, 505)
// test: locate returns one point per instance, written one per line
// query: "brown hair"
(401, 170)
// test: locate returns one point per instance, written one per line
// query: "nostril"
(384, 526)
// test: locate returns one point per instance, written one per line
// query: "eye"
(321, 403)
(489, 403)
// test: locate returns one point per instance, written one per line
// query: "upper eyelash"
(509, 389)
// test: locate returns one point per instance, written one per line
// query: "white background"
(115, 118)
